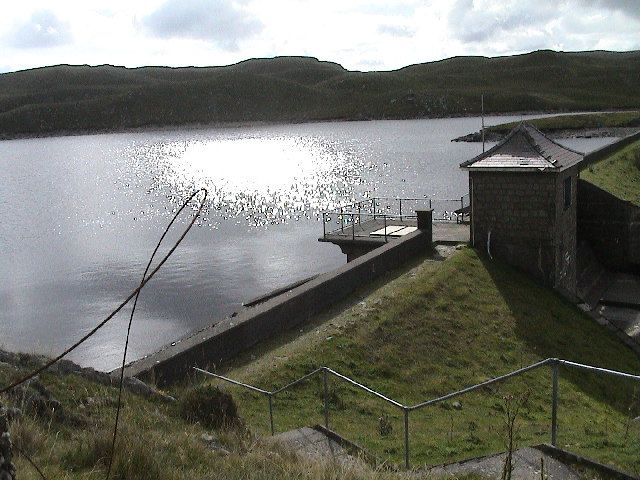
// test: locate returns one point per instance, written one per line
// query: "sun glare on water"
(260, 180)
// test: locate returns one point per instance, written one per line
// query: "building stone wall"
(519, 209)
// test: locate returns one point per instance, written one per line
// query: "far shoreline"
(259, 123)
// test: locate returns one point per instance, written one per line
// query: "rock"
(66, 366)
(138, 387)
(212, 443)
(456, 405)
(102, 378)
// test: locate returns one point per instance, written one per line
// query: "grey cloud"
(43, 29)
(224, 22)
(628, 7)
(471, 23)
(395, 30)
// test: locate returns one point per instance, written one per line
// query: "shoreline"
(257, 123)
(600, 132)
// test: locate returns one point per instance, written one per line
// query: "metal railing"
(554, 363)
(350, 221)
(389, 209)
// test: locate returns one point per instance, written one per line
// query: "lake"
(80, 216)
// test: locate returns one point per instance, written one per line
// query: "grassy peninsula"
(75, 99)
(578, 122)
(585, 124)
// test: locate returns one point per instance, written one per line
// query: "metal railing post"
(400, 209)
(374, 208)
(324, 226)
(271, 414)
(554, 404)
(430, 207)
(325, 387)
(353, 227)
(359, 218)
(385, 228)
(406, 438)
(341, 220)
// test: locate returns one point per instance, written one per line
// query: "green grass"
(66, 98)
(438, 329)
(154, 443)
(578, 122)
(618, 174)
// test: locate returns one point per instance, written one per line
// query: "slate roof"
(525, 149)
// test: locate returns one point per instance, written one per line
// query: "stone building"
(523, 205)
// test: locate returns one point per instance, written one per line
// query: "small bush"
(209, 406)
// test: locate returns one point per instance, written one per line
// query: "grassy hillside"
(436, 329)
(155, 442)
(80, 98)
(619, 174)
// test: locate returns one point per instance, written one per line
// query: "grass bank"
(577, 122)
(619, 174)
(155, 442)
(436, 329)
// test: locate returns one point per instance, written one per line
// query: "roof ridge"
(553, 141)
(534, 144)
(492, 149)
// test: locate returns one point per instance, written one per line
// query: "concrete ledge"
(220, 342)
(570, 457)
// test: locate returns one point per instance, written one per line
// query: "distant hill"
(67, 98)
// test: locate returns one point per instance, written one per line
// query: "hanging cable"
(145, 279)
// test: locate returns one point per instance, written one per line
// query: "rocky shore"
(41, 398)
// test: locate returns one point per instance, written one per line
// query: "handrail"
(365, 388)
(553, 362)
(482, 384)
(296, 382)
(599, 370)
(235, 382)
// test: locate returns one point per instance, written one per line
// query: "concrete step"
(318, 442)
(527, 462)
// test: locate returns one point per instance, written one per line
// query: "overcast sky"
(359, 34)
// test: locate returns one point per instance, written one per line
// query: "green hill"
(68, 98)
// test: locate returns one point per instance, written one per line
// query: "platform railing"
(393, 208)
(553, 363)
(347, 222)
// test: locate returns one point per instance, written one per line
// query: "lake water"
(79, 217)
